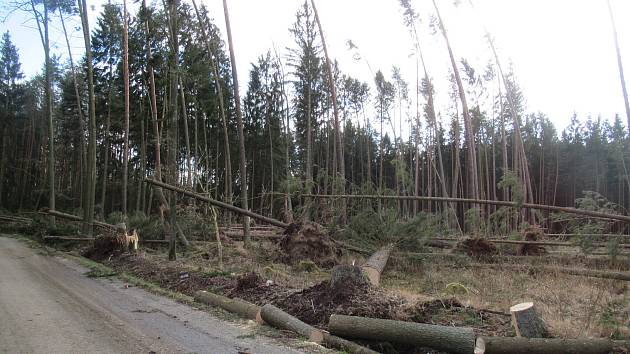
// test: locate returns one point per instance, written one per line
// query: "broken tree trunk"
(443, 338)
(374, 266)
(546, 269)
(219, 204)
(280, 319)
(514, 345)
(237, 306)
(526, 321)
(594, 214)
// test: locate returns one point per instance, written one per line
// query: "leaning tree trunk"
(239, 119)
(79, 108)
(468, 131)
(333, 92)
(88, 211)
(619, 63)
(217, 82)
(126, 125)
(172, 128)
(45, 38)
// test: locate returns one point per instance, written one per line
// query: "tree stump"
(526, 321)
(345, 279)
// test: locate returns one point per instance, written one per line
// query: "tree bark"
(172, 133)
(88, 214)
(237, 306)
(443, 338)
(239, 120)
(126, 121)
(526, 321)
(513, 345)
(280, 319)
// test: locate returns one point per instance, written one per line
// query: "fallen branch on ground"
(443, 338)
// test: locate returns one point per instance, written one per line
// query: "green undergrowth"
(370, 230)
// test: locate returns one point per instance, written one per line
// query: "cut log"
(345, 279)
(514, 345)
(346, 345)
(282, 320)
(237, 306)
(375, 265)
(526, 321)
(546, 269)
(443, 338)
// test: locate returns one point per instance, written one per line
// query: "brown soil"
(308, 240)
(477, 247)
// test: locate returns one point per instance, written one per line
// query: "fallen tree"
(443, 338)
(375, 265)
(590, 213)
(237, 306)
(516, 345)
(280, 319)
(538, 243)
(219, 204)
(77, 218)
(547, 269)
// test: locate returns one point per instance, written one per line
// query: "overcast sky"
(562, 51)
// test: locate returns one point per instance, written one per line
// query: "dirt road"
(47, 305)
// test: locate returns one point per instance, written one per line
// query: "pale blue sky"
(562, 50)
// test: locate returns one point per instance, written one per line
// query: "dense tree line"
(156, 94)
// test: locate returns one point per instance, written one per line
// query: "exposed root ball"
(531, 233)
(114, 243)
(248, 281)
(477, 247)
(345, 280)
(308, 240)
